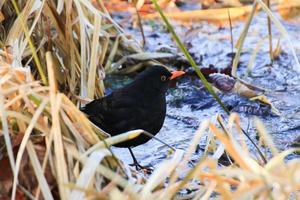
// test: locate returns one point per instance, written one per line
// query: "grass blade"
(189, 57)
(282, 30)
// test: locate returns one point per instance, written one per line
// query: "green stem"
(34, 54)
(189, 57)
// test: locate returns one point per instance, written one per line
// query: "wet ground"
(189, 103)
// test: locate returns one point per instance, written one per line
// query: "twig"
(140, 25)
(231, 35)
(270, 35)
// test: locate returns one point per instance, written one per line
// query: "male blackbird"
(139, 105)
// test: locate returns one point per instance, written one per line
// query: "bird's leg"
(136, 164)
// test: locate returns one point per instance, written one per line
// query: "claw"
(146, 169)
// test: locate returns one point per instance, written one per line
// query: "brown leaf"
(27, 175)
(1, 17)
(289, 9)
(218, 16)
(17, 139)
(6, 177)
(220, 4)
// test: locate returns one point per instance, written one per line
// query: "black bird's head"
(157, 77)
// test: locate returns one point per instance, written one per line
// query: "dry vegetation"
(54, 53)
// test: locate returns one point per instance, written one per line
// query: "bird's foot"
(147, 169)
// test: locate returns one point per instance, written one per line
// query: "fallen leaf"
(1, 17)
(288, 9)
(219, 15)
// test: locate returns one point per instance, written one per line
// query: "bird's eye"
(163, 78)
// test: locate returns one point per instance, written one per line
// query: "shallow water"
(189, 103)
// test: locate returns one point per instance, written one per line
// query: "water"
(189, 103)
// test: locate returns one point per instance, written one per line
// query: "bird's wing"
(114, 113)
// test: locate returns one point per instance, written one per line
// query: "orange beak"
(176, 74)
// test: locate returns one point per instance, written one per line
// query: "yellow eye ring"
(163, 78)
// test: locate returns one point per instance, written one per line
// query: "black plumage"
(138, 105)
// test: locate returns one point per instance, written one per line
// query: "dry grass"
(50, 150)
(57, 137)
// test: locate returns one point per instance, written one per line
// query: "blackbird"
(138, 105)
